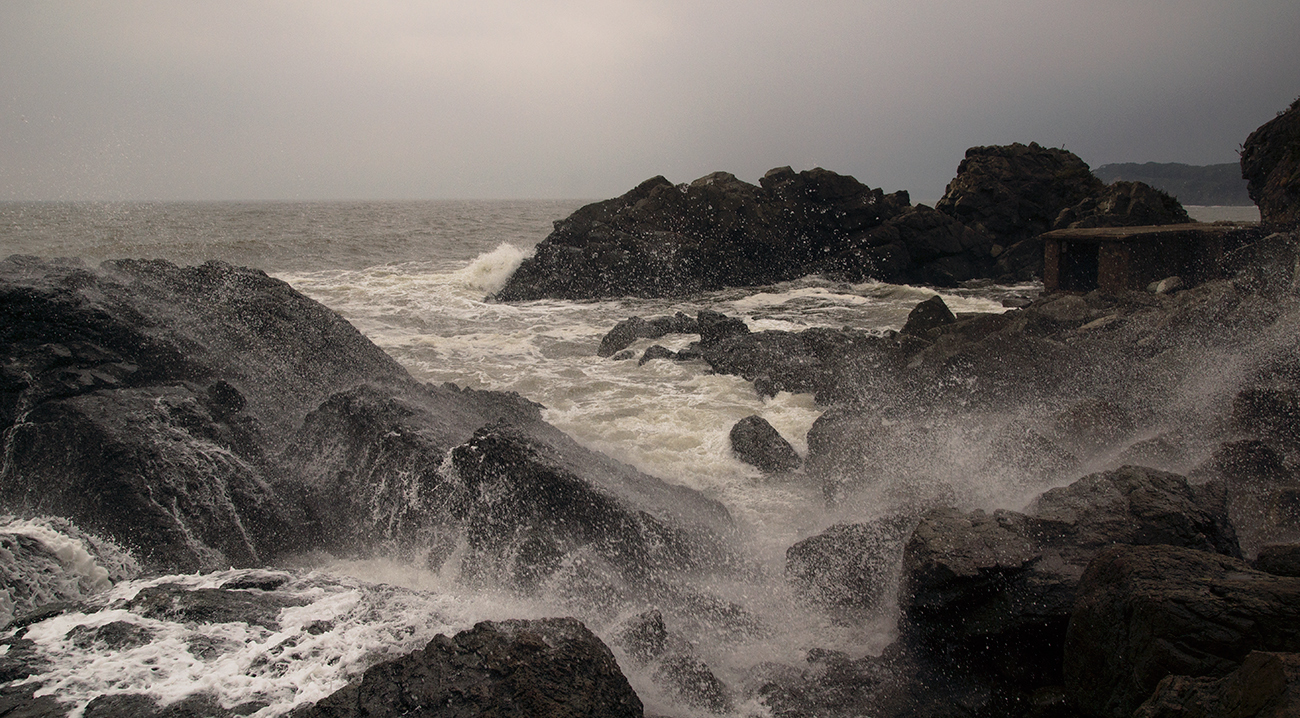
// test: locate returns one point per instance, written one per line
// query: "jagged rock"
(1279, 559)
(657, 352)
(629, 330)
(757, 443)
(645, 637)
(1270, 163)
(1014, 192)
(662, 239)
(927, 315)
(544, 667)
(211, 416)
(851, 566)
(920, 244)
(978, 584)
(1147, 612)
(693, 683)
(523, 508)
(1266, 686)
(1123, 204)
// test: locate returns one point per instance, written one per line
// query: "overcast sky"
(325, 99)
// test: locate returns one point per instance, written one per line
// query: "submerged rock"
(756, 442)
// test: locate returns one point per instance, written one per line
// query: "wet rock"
(1267, 686)
(1268, 412)
(523, 508)
(174, 602)
(661, 239)
(928, 315)
(980, 587)
(1147, 612)
(657, 352)
(42, 566)
(1270, 163)
(118, 635)
(757, 443)
(1123, 204)
(629, 330)
(1279, 559)
(1014, 192)
(645, 636)
(853, 566)
(551, 667)
(1092, 424)
(691, 681)
(137, 705)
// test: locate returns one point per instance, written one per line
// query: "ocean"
(414, 277)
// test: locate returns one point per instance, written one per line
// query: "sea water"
(415, 278)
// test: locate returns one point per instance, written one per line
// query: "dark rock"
(545, 667)
(1147, 612)
(757, 443)
(210, 416)
(657, 352)
(920, 244)
(645, 636)
(1014, 192)
(629, 330)
(137, 705)
(174, 602)
(1254, 474)
(715, 327)
(977, 585)
(1270, 163)
(1279, 559)
(34, 579)
(665, 240)
(853, 566)
(523, 508)
(118, 635)
(1123, 204)
(927, 315)
(692, 682)
(1266, 686)
(1268, 412)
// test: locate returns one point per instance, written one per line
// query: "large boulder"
(662, 239)
(1270, 163)
(980, 587)
(524, 508)
(544, 667)
(1013, 192)
(850, 566)
(756, 442)
(1147, 612)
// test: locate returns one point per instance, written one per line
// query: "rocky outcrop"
(1266, 686)
(978, 584)
(210, 416)
(662, 239)
(524, 509)
(757, 443)
(1270, 163)
(1123, 204)
(1147, 612)
(1014, 192)
(543, 667)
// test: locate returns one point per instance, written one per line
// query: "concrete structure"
(1114, 259)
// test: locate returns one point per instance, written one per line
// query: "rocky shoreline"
(201, 418)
